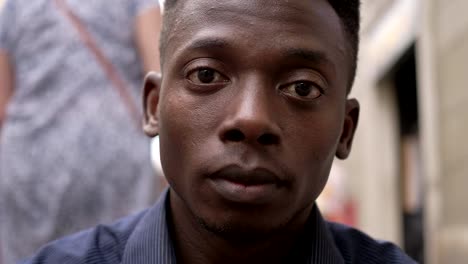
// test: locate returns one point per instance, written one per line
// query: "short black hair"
(347, 10)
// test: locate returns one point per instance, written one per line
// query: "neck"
(195, 244)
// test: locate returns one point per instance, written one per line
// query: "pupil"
(206, 75)
(302, 89)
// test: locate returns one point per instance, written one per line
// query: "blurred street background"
(406, 180)
(408, 170)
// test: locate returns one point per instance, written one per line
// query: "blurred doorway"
(403, 80)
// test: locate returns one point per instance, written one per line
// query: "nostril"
(268, 139)
(234, 135)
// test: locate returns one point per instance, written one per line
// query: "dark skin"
(251, 110)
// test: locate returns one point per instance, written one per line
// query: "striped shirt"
(144, 239)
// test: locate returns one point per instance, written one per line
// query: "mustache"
(247, 177)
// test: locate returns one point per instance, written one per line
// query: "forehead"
(260, 24)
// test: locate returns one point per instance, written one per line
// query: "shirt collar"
(151, 242)
(320, 243)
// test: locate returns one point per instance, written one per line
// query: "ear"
(151, 89)
(349, 127)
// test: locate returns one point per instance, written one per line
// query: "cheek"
(313, 154)
(185, 127)
(314, 137)
(174, 132)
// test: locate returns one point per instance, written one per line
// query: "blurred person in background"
(70, 153)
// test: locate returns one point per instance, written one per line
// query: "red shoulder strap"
(109, 69)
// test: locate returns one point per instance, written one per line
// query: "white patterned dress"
(70, 154)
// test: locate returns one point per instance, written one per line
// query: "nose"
(251, 118)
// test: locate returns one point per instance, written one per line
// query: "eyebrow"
(310, 55)
(208, 43)
(313, 56)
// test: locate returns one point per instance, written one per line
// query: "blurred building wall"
(437, 31)
(388, 29)
(443, 60)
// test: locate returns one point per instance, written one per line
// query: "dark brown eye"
(206, 75)
(302, 90)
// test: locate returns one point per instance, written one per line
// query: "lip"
(238, 185)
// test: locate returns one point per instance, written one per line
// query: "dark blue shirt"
(144, 239)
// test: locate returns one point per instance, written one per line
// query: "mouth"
(238, 185)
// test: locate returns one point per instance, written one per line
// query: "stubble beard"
(244, 233)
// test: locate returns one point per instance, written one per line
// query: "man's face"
(252, 109)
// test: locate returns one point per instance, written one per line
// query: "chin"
(242, 228)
